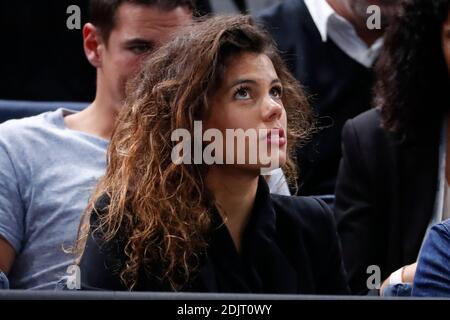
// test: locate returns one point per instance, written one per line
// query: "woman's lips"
(276, 136)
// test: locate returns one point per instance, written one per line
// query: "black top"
(339, 88)
(385, 196)
(290, 245)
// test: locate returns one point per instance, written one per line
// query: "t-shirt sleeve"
(11, 205)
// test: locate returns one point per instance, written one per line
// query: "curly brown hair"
(413, 80)
(160, 209)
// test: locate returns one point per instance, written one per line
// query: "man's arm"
(7, 256)
(11, 209)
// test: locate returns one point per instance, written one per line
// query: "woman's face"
(446, 40)
(249, 98)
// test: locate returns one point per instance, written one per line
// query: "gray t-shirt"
(47, 174)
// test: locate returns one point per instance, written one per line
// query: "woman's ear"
(92, 42)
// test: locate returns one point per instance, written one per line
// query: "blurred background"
(42, 60)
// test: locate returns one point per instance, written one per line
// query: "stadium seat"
(12, 109)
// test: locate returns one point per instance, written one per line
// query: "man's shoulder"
(286, 6)
(283, 15)
(366, 131)
(37, 121)
(369, 121)
(292, 27)
(18, 131)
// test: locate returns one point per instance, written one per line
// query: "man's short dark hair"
(102, 13)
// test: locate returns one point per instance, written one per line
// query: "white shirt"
(342, 32)
(277, 183)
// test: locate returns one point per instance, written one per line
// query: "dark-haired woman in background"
(393, 179)
(162, 226)
(433, 268)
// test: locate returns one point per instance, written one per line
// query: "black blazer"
(385, 196)
(339, 89)
(290, 245)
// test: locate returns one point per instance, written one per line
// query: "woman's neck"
(234, 191)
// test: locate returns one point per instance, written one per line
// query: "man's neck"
(235, 193)
(343, 8)
(98, 120)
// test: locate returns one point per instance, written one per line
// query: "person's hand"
(7, 256)
(408, 274)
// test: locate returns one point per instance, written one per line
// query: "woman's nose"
(272, 109)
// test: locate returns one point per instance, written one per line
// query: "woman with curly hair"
(159, 224)
(394, 173)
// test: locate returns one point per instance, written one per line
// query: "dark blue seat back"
(4, 283)
(12, 109)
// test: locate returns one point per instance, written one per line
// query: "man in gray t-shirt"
(49, 164)
(47, 173)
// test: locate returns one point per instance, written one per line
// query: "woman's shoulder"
(307, 213)
(304, 206)
(307, 232)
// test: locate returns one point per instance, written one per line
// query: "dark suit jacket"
(385, 196)
(290, 245)
(339, 89)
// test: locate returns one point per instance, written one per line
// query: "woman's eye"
(276, 92)
(242, 94)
